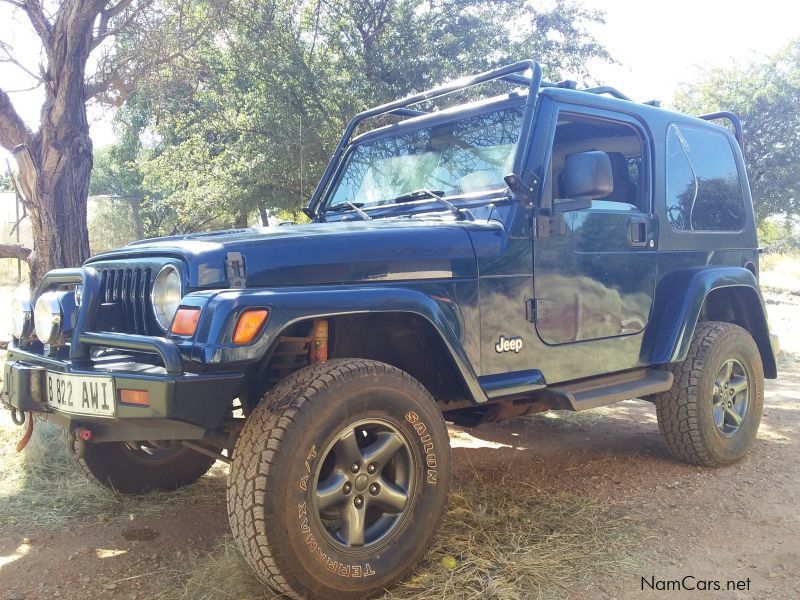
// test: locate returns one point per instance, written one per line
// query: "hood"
(321, 253)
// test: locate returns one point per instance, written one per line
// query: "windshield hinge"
(235, 270)
(523, 186)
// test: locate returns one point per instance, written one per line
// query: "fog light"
(21, 318)
(47, 317)
(185, 321)
(135, 397)
(249, 325)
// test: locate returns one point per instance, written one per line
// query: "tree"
(130, 38)
(765, 95)
(250, 122)
(5, 182)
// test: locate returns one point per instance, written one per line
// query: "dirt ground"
(737, 523)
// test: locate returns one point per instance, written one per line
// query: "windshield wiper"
(346, 205)
(436, 195)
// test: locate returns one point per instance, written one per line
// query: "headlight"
(166, 295)
(20, 318)
(47, 317)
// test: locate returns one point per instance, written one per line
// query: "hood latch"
(235, 270)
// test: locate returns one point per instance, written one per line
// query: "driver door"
(594, 276)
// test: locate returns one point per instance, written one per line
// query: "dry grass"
(775, 261)
(42, 486)
(501, 539)
(780, 271)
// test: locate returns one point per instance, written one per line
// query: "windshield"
(467, 155)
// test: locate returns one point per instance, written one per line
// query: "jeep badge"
(505, 344)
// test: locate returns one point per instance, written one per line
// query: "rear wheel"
(339, 480)
(711, 415)
(139, 467)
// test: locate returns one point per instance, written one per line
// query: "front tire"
(339, 480)
(711, 415)
(139, 467)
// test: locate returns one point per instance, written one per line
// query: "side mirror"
(586, 175)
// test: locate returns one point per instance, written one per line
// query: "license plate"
(81, 394)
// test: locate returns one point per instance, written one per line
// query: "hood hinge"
(235, 270)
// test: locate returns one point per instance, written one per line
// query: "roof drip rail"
(607, 89)
(738, 132)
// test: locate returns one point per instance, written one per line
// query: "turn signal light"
(136, 397)
(185, 321)
(249, 325)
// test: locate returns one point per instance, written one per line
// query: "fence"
(113, 222)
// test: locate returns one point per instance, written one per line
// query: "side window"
(703, 188)
(623, 144)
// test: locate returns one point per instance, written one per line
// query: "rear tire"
(137, 468)
(339, 480)
(711, 415)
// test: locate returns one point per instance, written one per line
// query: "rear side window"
(703, 188)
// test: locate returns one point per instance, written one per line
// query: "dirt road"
(660, 520)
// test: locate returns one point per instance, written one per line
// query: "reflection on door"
(597, 280)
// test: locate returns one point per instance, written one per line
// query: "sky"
(657, 45)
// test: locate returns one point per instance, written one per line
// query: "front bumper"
(182, 405)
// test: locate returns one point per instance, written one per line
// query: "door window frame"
(601, 114)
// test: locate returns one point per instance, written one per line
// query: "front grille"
(128, 289)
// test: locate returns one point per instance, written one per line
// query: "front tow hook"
(19, 418)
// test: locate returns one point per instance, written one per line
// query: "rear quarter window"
(704, 192)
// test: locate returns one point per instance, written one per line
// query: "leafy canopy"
(765, 94)
(248, 119)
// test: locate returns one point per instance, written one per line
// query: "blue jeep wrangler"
(550, 248)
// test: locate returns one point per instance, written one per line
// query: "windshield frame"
(486, 106)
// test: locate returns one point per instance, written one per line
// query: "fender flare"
(680, 299)
(292, 305)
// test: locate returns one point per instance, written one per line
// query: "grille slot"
(129, 288)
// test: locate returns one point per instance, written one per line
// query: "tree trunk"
(57, 176)
(56, 162)
(242, 218)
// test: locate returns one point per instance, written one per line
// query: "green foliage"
(112, 223)
(778, 236)
(247, 121)
(765, 95)
(5, 183)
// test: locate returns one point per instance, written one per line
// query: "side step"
(608, 389)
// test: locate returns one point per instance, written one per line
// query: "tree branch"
(10, 58)
(103, 32)
(13, 130)
(113, 11)
(109, 13)
(41, 24)
(15, 251)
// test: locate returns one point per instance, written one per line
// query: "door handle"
(637, 233)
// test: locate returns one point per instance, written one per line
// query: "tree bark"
(55, 163)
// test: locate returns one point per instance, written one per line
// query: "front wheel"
(339, 480)
(711, 415)
(139, 467)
